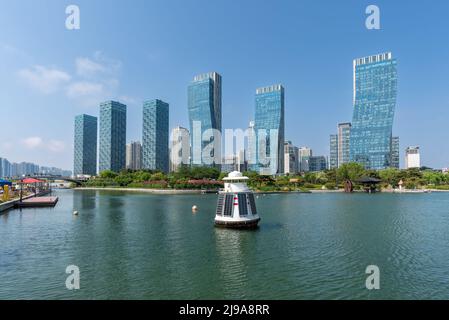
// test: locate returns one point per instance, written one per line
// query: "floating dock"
(38, 202)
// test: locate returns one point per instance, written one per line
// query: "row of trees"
(185, 178)
(211, 178)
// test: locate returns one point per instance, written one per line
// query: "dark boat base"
(238, 225)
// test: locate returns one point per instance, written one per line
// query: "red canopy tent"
(29, 181)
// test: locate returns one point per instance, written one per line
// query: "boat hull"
(246, 224)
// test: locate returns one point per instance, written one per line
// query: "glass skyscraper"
(85, 145)
(204, 104)
(269, 126)
(112, 136)
(375, 89)
(155, 136)
(317, 163)
(333, 158)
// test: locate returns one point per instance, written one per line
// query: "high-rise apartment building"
(134, 155)
(412, 158)
(155, 136)
(85, 145)
(344, 143)
(112, 136)
(395, 152)
(180, 148)
(304, 154)
(333, 154)
(290, 158)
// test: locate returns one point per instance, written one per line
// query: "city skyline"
(69, 81)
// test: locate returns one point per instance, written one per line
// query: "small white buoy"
(75, 213)
(194, 208)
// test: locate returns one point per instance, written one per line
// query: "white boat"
(236, 207)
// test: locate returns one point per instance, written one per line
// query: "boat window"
(229, 203)
(252, 203)
(243, 205)
(220, 204)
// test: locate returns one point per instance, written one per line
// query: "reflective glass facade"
(375, 89)
(112, 136)
(155, 136)
(204, 105)
(85, 145)
(317, 163)
(269, 124)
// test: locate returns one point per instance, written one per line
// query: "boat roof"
(235, 175)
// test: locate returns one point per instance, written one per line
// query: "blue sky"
(145, 49)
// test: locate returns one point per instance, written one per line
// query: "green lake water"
(308, 246)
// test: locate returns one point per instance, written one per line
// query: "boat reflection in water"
(236, 207)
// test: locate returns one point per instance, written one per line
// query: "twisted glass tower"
(375, 89)
(204, 103)
(269, 126)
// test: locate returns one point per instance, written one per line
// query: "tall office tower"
(317, 163)
(344, 143)
(395, 152)
(304, 154)
(333, 154)
(375, 90)
(85, 145)
(180, 148)
(412, 158)
(269, 125)
(155, 136)
(134, 155)
(204, 105)
(290, 158)
(112, 136)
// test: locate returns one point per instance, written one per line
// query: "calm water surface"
(308, 246)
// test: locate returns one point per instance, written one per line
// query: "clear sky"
(146, 49)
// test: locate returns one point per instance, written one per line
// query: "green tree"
(108, 174)
(350, 171)
(390, 176)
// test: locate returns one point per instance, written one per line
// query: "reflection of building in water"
(231, 260)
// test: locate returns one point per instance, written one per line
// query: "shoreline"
(196, 191)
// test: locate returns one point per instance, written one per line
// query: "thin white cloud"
(96, 79)
(6, 146)
(85, 67)
(127, 99)
(56, 146)
(80, 89)
(46, 80)
(32, 142)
